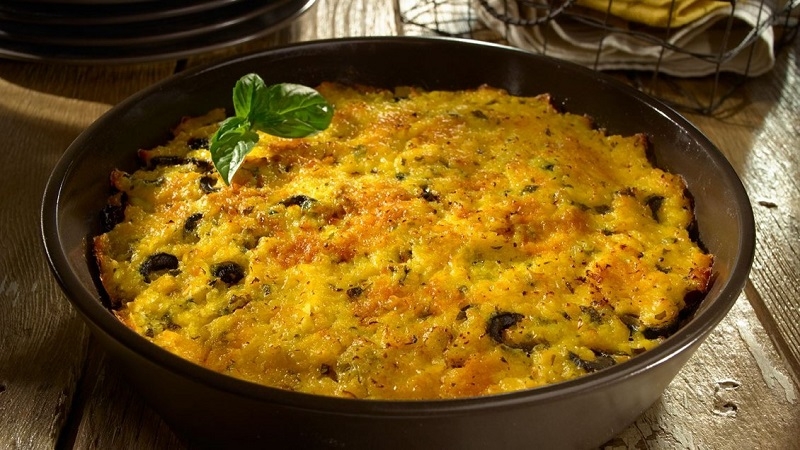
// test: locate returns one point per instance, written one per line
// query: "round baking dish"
(208, 408)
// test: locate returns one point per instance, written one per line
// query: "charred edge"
(693, 228)
(654, 202)
(114, 213)
(106, 299)
(692, 299)
(649, 152)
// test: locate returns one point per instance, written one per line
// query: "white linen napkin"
(696, 49)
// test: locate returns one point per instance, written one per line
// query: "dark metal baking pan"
(208, 408)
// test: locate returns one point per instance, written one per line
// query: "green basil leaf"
(292, 111)
(230, 144)
(283, 110)
(248, 95)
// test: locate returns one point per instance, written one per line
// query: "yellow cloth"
(656, 13)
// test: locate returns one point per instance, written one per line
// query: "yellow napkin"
(656, 13)
(692, 50)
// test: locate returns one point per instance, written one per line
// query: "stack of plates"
(120, 31)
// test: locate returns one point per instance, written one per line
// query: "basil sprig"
(284, 110)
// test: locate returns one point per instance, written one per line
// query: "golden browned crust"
(426, 245)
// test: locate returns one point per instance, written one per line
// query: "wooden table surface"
(57, 390)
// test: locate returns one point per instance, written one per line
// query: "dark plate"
(42, 13)
(154, 50)
(159, 31)
(96, 2)
(210, 408)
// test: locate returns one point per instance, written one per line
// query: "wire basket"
(694, 64)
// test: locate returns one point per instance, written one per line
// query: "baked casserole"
(428, 244)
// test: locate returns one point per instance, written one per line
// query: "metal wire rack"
(745, 37)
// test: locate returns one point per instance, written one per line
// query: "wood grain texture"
(717, 400)
(116, 418)
(759, 132)
(41, 358)
(43, 342)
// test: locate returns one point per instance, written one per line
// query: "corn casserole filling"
(428, 244)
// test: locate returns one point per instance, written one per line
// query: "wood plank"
(718, 401)
(114, 416)
(345, 18)
(42, 340)
(758, 131)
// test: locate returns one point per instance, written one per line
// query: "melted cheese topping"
(426, 245)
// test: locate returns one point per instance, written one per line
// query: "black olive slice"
(631, 321)
(191, 223)
(207, 184)
(500, 322)
(158, 262)
(661, 331)
(303, 201)
(229, 272)
(202, 165)
(197, 143)
(600, 362)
